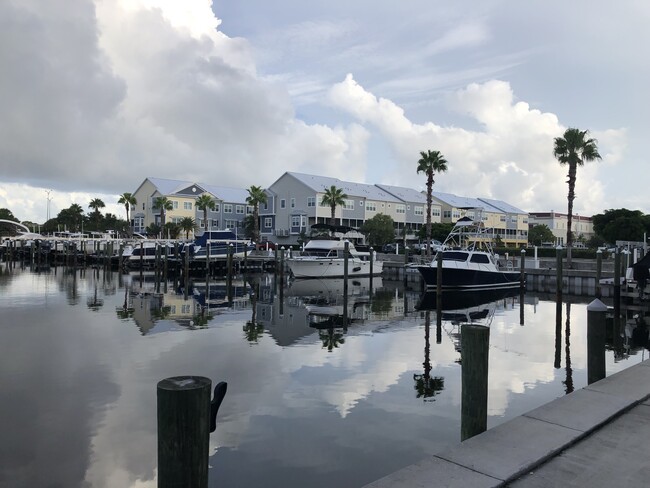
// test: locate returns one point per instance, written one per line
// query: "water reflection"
(340, 405)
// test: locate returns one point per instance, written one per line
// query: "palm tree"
(333, 197)
(256, 196)
(128, 200)
(164, 204)
(96, 204)
(187, 224)
(205, 202)
(430, 162)
(574, 149)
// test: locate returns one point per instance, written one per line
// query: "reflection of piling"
(558, 333)
(229, 275)
(475, 342)
(596, 333)
(372, 262)
(346, 265)
(406, 262)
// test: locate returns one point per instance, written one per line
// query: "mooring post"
(522, 269)
(558, 268)
(186, 274)
(186, 416)
(229, 271)
(439, 277)
(346, 256)
(599, 272)
(596, 333)
(372, 259)
(617, 284)
(475, 342)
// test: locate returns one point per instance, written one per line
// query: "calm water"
(82, 352)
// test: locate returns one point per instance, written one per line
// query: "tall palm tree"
(96, 204)
(333, 197)
(128, 200)
(187, 224)
(574, 149)
(163, 204)
(430, 162)
(256, 196)
(205, 202)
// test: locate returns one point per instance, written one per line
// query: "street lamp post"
(49, 199)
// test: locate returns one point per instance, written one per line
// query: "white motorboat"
(325, 258)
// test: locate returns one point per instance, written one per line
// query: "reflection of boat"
(456, 300)
(215, 294)
(325, 258)
(326, 304)
(218, 243)
(468, 261)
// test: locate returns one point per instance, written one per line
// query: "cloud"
(509, 157)
(99, 95)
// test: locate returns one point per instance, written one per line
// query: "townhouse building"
(229, 212)
(583, 227)
(508, 223)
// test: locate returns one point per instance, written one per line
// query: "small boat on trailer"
(468, 261)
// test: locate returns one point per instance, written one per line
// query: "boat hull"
(308, 267)
(469, 279)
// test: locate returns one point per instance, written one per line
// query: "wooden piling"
(617, 284)
(596, 333)
(183, 431)
(475, 342)
(599, 272)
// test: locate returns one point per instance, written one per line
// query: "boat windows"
(480, 258)
(455, 256)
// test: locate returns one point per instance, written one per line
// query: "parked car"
(266, 245)
(389, 248)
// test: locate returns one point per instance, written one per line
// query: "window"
(435, 211)
(187, 205)
(456, 214)
(361, 203)
(295, 221)
(418, 210)
(174, 204)
(283, 203)
(239, 209)
(216, 207)
(479, 258)
(400, 209)
(371, 206)
(311, 201)
(249, 210)
(349, 205)
(227, 207)
(502, 218)
(268, 223)
(446, 214)
(293, 203)
(231, 224)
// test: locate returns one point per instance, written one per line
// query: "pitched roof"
(504, 206)
(405, 194)
(465, 202)
(351, 189)
(227, 194)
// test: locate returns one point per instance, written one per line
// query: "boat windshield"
(320, 253)
(455, 256)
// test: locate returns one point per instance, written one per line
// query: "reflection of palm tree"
(202, 319)
(382, 302)
(94, 303)
(569, 372)
(331, 339)
(253, 331)
(124, 312)
(425, 385)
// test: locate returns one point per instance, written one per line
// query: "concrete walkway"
(598, 436)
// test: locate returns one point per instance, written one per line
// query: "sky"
(98, 95)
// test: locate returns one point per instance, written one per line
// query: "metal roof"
(506, 207)
(405, 194)
(226, 194)
(351, 189)
(465, 202)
